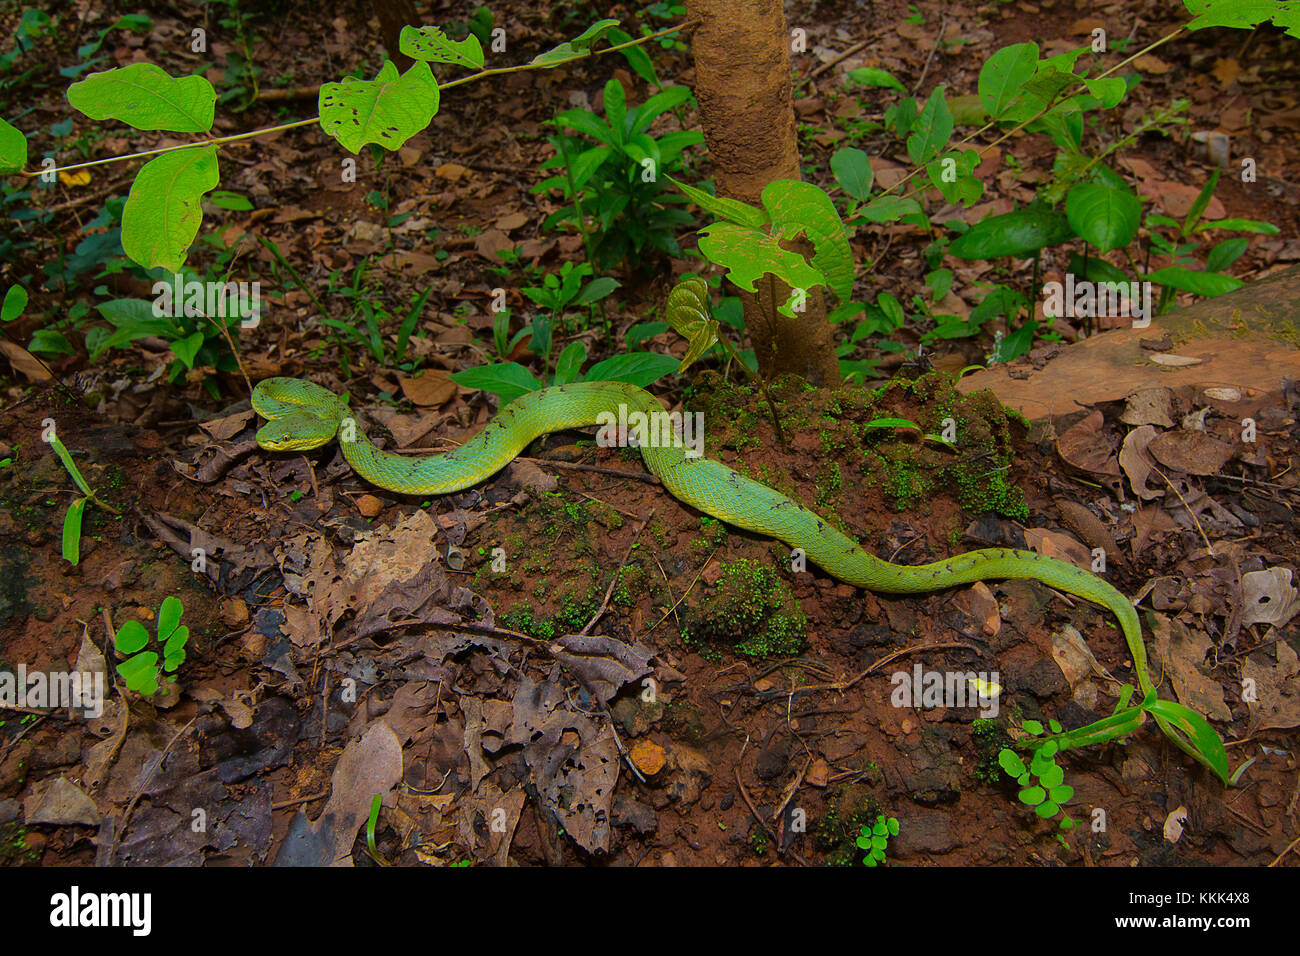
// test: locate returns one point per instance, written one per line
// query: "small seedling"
(875, 839)
(1050, 790)
(72, 520)
(141, 671)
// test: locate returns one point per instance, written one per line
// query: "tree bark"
(742, 83)
(393, 15)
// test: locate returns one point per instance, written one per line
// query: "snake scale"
(302, 415)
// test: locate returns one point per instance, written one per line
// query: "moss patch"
(751, 610)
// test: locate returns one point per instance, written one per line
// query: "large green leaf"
(636, 368)
(797, 207)
(72, 531)
(954, 176)
(889, 208)
(616, 110)
(749, 254)
(932, 129)
(852, 171)
(1244, 13)
(387, 110)
(507, 379)
(1021, 233)
(430, 44)
(13, 149)
(15, 301)
(1106, 217)
(733, 210)
(144, 96)
(1004, 74)
(578, 46)
(1200, 283)
(163, 212)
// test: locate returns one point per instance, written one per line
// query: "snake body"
(302, 415)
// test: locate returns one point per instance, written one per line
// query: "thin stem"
(218, 140)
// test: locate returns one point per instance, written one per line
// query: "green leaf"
(798, 207)
(1002, 76)
(1032, 727)
(647, 112)
(1060, 794)
(143, 95)
(638, 368)
(13, 149)
(892, 309)
(169, 615)
(1052, 776)
(953, 175)
(687, 312)
(732, 210)
(873, 76)
(589, 124)
(1244, 13)
(584, 165)
(164, 209)
(14, 303)
(224, 199)
(888, 209)
(1202, 200)
(387, 110)
(568, 365)
(1200, 283)
(131, 636)
(174, 648)
(1108, 218)
(141, 673)
(616, 110)
(1047, 810)
(187, 349)
(1032, 796)
(892, 823)
(932, 130)
(72, 531)
(596, 289)
(507, 379)
(50, 342)
(1196, 730)
(1020, 233)
(1109, 90)
(748, 255)
(642, 331)
(578, 46)
(1225, 254)
(853, 172)
(1010, 761)
(1242, 225)
(431, 44)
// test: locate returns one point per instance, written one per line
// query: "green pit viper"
(302, 415)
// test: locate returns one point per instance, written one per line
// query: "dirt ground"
(566, 665)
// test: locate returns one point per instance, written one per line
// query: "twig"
(835, 62)
(609, 591)
(938, 38)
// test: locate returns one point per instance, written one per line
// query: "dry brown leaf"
(430, 388)
(1191, 451)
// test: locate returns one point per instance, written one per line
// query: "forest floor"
(636, 684)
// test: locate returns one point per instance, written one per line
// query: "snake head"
(300, 414)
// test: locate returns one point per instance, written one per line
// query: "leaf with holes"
(430, 44)
(143, 95)
(578, 46)
(749, 254)
(163, 212)
(798, 207)
(387, 110)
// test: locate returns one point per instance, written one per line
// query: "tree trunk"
(742, 82)
(393, 15)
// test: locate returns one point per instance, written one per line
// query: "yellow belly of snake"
(302, 415)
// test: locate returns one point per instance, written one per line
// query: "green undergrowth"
(750, 610)
(832, 431)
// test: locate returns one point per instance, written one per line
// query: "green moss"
(990, 737)
(520, 618)
(631, 585)
(14, 850)
(751, 610)
(837, 832)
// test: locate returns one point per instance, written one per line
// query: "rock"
(370, 506)
(66, 751)
(773, 761)
(648, 757)
(920, 833)
(9, 810)
(930, 772)
(689, 774)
